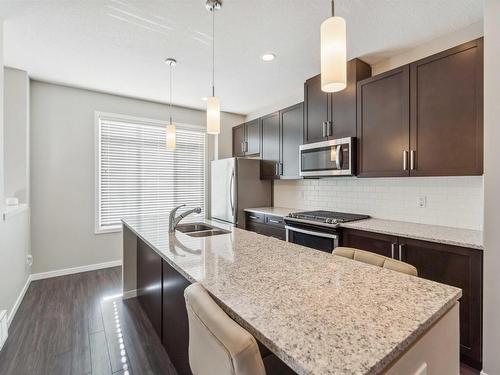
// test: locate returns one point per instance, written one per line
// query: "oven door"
(328, 158)
(323, 241)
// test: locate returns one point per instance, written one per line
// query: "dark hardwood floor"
(79, 325)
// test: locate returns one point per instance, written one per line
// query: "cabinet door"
(292, 137)
(316, 110)
(459, 267)
(447, 112)
(343, 107)
(175, 335)
(238, 140)
(149, 281)
(383, 124)
(374, 242)
(252, 137)
(270, 147)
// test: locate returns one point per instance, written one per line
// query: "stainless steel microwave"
(328, 158)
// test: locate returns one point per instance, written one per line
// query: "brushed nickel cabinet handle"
(393, 250)
(324, 129)
(412, 160)
(329, 128)
(401, 252)
(405, 160)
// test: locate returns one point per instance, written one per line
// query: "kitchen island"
(320, 314)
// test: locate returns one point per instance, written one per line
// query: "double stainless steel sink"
(200, 230)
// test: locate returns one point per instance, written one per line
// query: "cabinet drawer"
(274, 220)
(255, 217)
(267, 230)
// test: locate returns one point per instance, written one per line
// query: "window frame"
(98, 116)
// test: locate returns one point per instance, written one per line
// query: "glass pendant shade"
(213, 115)
(170, 137)
(333, 55)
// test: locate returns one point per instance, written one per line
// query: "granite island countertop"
(319, 313)
(433, 233)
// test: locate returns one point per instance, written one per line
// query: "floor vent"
(3, 327)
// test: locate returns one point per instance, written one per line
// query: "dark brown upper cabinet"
(316, 110)
(282, 134)
(270, 166)
(383, 124)
(424, 119)
(253, 137)
(246, 139)
(239, 140)
(332, 116)
(446, 112)
(292, 120)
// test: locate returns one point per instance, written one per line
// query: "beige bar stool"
(218, 345)
(375, 259)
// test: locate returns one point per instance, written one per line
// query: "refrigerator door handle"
(231, 192)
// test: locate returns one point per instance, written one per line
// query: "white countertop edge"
(10, 211)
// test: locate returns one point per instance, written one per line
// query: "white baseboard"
(19, 299)
(69, 271)
(129, 294)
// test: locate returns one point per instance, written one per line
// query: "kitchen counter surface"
(433, 233)
(319, 313)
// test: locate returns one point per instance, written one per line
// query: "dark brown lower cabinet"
(175, 335)
(149, 280)
(267, 225)
(457, 266)
(462, 268)
(381, 244)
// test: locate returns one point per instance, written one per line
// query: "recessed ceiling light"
(268, 57)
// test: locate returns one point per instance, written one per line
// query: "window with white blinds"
(137, 175)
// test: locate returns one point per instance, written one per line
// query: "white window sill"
(10, 211)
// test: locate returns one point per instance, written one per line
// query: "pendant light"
(170, 128)
(333, 53)
(213, 103)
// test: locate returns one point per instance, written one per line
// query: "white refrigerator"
(236, 185)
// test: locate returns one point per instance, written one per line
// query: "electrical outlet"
(422, 202)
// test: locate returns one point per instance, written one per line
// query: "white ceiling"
(118, 46)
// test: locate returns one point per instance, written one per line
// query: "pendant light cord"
(213, 50)
(333, 8)
(170, 94)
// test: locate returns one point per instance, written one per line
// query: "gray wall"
(491, 323)
(1, 117)
(62, 171)
(14, 246)
(16, 132)
(14, 232)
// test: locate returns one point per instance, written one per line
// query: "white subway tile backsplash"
(450, 201)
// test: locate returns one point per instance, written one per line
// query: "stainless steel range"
(317, 229)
